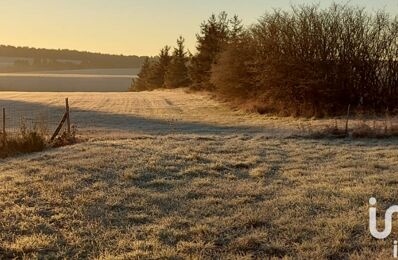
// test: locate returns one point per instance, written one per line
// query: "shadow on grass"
(109, 122)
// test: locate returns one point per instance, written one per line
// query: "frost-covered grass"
(161, 112)
(183, 196)
(181, 183)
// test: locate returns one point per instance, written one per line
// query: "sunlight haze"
(128, 26)
(190, 129)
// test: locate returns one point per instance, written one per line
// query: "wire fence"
(97, 120)
(17, 117)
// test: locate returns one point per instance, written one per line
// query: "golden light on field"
(262, 136)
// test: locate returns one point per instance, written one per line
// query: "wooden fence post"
(68, 115)
(388, 120)
(348, 118)
(59, 126)
(65, 118)
(4, 127)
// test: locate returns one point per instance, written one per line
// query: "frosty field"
(176, 175)
(87, 80)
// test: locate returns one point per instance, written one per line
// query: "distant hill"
(18, 59)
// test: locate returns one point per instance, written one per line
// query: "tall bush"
(313, 61)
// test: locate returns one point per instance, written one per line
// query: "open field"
(160, 112)
(157, 112)
(167, 174)
(6, 62)
(125, 72)
(90, 80)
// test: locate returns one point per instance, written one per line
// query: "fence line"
(16, 118)
(4, 135)
(96, 119)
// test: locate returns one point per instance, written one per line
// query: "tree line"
(306, 61)
(66, 59)
(168, 70)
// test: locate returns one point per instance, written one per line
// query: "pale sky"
(139, 27)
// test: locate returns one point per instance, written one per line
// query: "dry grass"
(361, 129)
(28, 142)
(31, 140)
(182, 196)
(160, 112)
(214, 189)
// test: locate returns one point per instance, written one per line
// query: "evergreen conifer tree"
(177, 73)
(213, 36)
(156, 78)
(140, 83)
(236, 29)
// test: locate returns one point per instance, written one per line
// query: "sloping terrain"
(160, 112)
(168, 174)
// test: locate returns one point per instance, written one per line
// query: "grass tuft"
(30, 140)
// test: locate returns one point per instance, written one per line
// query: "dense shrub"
(314, 62)
(234, 74)
(308, 62)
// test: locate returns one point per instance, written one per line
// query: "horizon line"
(77, 50)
